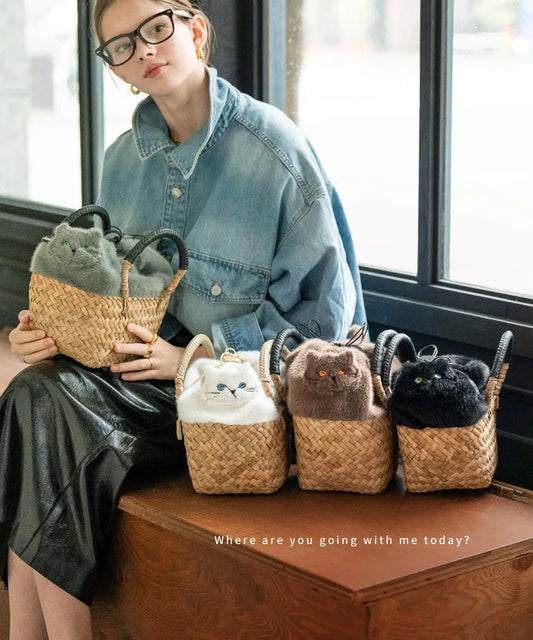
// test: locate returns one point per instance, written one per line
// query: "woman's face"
(156, 69)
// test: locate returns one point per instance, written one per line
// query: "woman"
(239, 182)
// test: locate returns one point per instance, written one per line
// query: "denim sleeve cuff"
(242, 334)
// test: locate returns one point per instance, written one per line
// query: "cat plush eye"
(322, 373)
(66, 243)
(418, 380)
(221, 386)
(341, 372)
(437, 375)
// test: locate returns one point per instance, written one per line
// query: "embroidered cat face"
(327, 381)
(231, 384)
(435, 393)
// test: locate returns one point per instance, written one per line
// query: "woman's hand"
(159, 360)
(30, 346)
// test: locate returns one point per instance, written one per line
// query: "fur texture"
(329, 381)
(81, 258)
(447, 391)
(229, 392)
(358, 340)
(150, 273)
(85, 259)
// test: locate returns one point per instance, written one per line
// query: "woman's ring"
(149, 352)
(151, 363)
(154, 338)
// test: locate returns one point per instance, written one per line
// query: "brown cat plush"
(330, 381)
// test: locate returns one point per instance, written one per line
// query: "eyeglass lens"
(154, 31)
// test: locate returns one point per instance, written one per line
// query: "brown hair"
(101, 6)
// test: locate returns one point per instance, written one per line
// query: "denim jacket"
(256, 212)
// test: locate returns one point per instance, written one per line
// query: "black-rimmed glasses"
(153, 30)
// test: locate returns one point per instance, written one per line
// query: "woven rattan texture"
(225, 458)
(351, 456)
(86, 325)
(451, 458)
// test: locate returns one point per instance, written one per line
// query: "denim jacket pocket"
(223, 281)
(214, 289)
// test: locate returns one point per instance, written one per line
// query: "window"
(39, 112)
(426, 133)
(119, 104)
(353, 87)
(491, 221)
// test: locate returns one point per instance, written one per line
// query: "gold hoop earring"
(199, 54)
(134, 90)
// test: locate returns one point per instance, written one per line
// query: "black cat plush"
(439, 392)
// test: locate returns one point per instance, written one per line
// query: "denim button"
(216, 289)
(177, 192)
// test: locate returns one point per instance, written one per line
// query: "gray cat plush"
(85, 259)
(82, 258)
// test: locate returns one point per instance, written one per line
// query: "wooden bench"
(441, 566)
(396, 566)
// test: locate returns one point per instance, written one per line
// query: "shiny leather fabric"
(68, 437)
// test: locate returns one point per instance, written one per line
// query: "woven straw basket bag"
(86, 325)
(234, 458)
(452, 457)
(335, 455)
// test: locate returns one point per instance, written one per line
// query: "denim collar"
(150, 131)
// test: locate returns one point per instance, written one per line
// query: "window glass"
(119, 104)
(39, 111)
(491, 212)
(353, 87)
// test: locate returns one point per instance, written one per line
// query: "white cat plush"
(228, 391)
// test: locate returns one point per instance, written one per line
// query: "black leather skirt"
(68, 437)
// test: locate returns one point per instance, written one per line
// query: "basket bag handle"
(403, 344)
(88, 210)
(499, 369)
(200, 340)
(264, 368)
(376, 367)
(136, 250)
(275, 357)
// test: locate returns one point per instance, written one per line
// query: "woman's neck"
(186, 113)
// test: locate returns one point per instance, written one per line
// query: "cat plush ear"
(61, 229)
(96, 235)
(358, 333)
(313, 356)
(478, 372)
